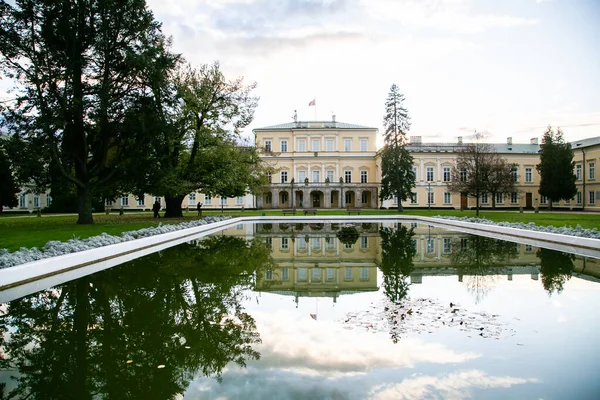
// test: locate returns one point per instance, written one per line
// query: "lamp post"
(292, 182)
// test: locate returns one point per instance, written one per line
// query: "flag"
(313, 316)
(312, 103)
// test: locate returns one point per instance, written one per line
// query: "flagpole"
(315, 108)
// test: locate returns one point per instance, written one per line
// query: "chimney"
(460, 140)
(509, 140)
(415, 139)
(533, 140)
(333, 118)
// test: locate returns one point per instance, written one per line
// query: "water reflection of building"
(312, 262)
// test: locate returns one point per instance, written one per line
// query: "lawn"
(31, 231)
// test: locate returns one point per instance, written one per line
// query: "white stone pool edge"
(34, 276)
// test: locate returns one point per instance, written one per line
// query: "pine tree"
(557, 179)
(8, 186)
(397, 175)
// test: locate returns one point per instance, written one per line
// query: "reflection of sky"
(553, 353)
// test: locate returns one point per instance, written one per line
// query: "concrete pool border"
(37, 275)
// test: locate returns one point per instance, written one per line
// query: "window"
(363, 145)
(592, 171)
(158, 199)
(284, 146)
(413, 198)
(239, 227)
(578, 198)
(269, 177)
(329, 144)
(108, 202)
(48, 200)
(499, 198)
(284, 245)
(446, 174)
(269, 275)
(515, 173)
(429, 174)
(301, 274)
(268, 199)
(124, 200)
(316, 143)
(301, 176)
(463, 174)
(514, 198)
(447, 245)
(285, 274)
(284, 176)
(347, 144)
(447, 198)
(364, 273)
(140, 200)
(330, 274)
(430, 244)
(414, 170)
(528, 248)
(268, 146)
(330, 175)
(528, 175)
(239, 200)
(302, 243)
(191, 199)
(208, 199)
(301, 145)
(578, 172)
(284, 198)
(36, 201)
(347, 273)
(223, 201)
(269, 242)
(430, 198)
(543, 199)
(592, 197)
(484, 198)
(316, 274)
(364, 197)
(316, 176)
(568, 201)
(316, 243)
(395, 200)
(348, 176)
(364, 177)
(415, 245)
(364, 242)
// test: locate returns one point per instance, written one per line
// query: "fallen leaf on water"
(129, 361)
(161, 366)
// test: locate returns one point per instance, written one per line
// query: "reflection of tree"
(348, 235)
(397, 252)
(478, 258)
(556, 268)
(179, 309)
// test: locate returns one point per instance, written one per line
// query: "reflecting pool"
(315, 311)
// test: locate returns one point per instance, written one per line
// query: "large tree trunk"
(493, 200)
(400, 208)
(81, 319)
(477, 206)
(84, 206)
(173, 206)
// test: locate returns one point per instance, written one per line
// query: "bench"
(289, 211)
(353, 210)
(312, 211)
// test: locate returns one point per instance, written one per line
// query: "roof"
(578, 144)
(313, 125)
(501, 148)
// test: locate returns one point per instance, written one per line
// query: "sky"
(504, 68)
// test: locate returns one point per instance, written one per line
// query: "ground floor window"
(579, 198)
(592, 198)
(23, 200)
(284, 198)
(413, 198)
(543, 199)
(124, 201)
(484, 198)
(514, 198)
(365, 197)
(499, 198)
(239, 200)
(430, 198)
(447, 198)
(348, 198)
(191, 199)
(140, 201)
(208, 199)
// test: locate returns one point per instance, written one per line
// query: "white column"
(422, 170)
(322, 172)
(439, 168)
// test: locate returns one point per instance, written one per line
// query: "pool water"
(314, 311)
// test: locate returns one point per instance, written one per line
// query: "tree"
(556, 268)
(397, 252)
(8, 186)
(397, 176)
(471, 173)
(79, 66)
(198, 147)
(501, 179)
(557, 180)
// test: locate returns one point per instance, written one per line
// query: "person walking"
(156, 209)
(199, 208)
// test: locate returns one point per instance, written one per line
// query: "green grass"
(30, 231)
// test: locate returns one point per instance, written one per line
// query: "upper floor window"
(268, 145)
(364, 176)
(316, 175)
(429, 174)
(578, 172)
(414, 170)
(316, 144)
(529, 175)
(592, 171)
(269, 177)
(301, 176)
(330, 175)
(363, 145)
(329, 144)
(463, 174)
(284, 176)
(284, 147)
(446, 174)
(301, 145)
(347, 144)
(515, 173)
(348, 176)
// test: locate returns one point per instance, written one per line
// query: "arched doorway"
(284, 199)
(316, 199)
(349, 198)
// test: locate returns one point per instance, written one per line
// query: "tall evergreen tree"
(8, 186)
(557, 179)
(397, 176)
(79, 64)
